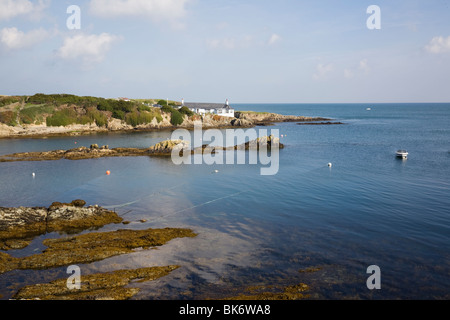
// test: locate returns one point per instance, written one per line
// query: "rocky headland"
(24, 119)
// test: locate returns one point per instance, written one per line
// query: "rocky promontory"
(44, 115)
(262, 118)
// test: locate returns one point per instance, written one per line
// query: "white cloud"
(156, 10)
(438, 45)
(13, 39)
(225, 43)
(348, 73)
(274, 39)
(87, 48)
(244, 41)
(322, 71)
(13, 8)
(364, 66)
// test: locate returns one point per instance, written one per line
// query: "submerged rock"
(91, 247)
(102, 286)
(293, 292)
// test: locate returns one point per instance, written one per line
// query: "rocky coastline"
(19, 226)
(242, 120)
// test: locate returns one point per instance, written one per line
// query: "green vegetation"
(94, 115)
(177, 117)
(32, 114)
(8, 118)
(137, 118)
(7, 100)
(66, 109)
(62, 117)
(162, 103)
(186, 111)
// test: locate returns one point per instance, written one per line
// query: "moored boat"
(402, 154)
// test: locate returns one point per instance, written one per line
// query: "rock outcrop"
(18, 226)
(261, 118)
(99, 286)
(164, 148)
(90, 247)
(168, 146)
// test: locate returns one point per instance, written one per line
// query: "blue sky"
(247, 51)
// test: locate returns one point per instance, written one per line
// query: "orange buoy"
(108, 172)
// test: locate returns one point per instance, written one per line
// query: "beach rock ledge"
(20, 225)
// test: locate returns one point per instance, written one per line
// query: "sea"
(341, 214)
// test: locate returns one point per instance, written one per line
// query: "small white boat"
(402, 154)
(368, 109)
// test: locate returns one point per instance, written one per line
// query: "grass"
(64, 117)
(34, 114)
(9, 118)
(137, 118)
(63, 109)
(7, 100)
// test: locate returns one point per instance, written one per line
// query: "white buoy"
(33, 174)
(330, 165)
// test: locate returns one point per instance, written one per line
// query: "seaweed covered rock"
(100, 286)
(18, 226)
(90, 247)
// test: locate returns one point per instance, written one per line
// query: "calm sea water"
(369, 208)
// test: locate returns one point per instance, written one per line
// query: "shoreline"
(243, 120)
(20, 226)
(76, 246)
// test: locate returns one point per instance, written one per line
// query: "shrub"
(8, 118)
(96, 116)
(143, 107)
(105, 105)
(137, 118)
(162, 103)
(119, 114)
(63, 117)
(4, 101)
(177, 118)
(32, 114)
(185, 110)
(167, 109)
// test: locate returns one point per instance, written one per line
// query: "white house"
(224, 110)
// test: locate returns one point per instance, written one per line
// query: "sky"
(247, 51)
